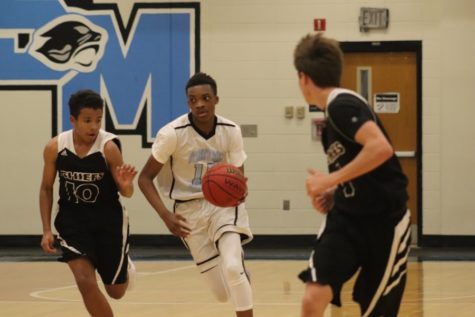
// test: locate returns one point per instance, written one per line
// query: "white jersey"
(187, 154)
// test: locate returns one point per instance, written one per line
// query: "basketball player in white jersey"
(182, 152)
(92, 224)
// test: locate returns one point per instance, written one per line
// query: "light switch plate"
(289, 112)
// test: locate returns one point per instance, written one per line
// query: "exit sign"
(373, 18)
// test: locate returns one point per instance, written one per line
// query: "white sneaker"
(130, 274)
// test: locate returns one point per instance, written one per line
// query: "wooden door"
(394, 74)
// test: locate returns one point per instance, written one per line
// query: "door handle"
(405, 153)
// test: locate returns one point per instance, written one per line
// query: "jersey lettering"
(86, 193)
(196, 182)
(81, 177)
(335, 151)
(197, 158)
(205, 155)
(347, 187)
(199, 172)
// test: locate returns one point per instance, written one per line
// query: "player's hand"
(315, 182)
(47, 242)
(321, 195)
(177, 225)
(325, 201)
(126, 174)
(243, 199)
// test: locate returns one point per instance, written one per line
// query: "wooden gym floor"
(32, 287)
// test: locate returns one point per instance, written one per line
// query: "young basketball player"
(92, 224)
(183, 150)
(363, 196)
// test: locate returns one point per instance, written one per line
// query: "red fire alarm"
(319, 24)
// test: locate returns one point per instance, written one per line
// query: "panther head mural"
(69, 43)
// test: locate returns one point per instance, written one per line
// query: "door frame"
(402, 46)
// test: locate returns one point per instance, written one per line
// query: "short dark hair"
(85, 98)
(202, 79)
(320, 58)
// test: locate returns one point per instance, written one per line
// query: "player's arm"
(175, 223)
(46, 193)
(376, 149)
(123, 174)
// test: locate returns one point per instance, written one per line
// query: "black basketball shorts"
(101, 235)
(378, 248)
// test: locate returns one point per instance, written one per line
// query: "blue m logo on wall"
(138, 55)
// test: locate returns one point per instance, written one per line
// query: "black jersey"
(87, 181)
(382, 190)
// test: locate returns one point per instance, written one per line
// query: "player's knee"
(115, 291)
(85, 282)
(115, 294)
(234, 272)
(315, 299)
(308, 302)
(312, 306)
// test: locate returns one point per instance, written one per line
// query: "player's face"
(87, 125)
(202, 102)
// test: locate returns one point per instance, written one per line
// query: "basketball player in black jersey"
(91, 222)
(363, 196)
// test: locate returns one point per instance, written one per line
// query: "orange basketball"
(224, 185)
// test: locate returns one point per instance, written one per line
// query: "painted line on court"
(40, 294)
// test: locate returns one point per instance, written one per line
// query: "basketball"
(224, 185)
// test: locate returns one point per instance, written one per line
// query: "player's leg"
(202, 249)
(76, 242)
(209, 223)
(332, 262)
(232, 265)
(118, 290)
(381, 282)
(215, 280)
(315, 299)
(112, 248)
(207, 259)
(230, 230)
(85, 276)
